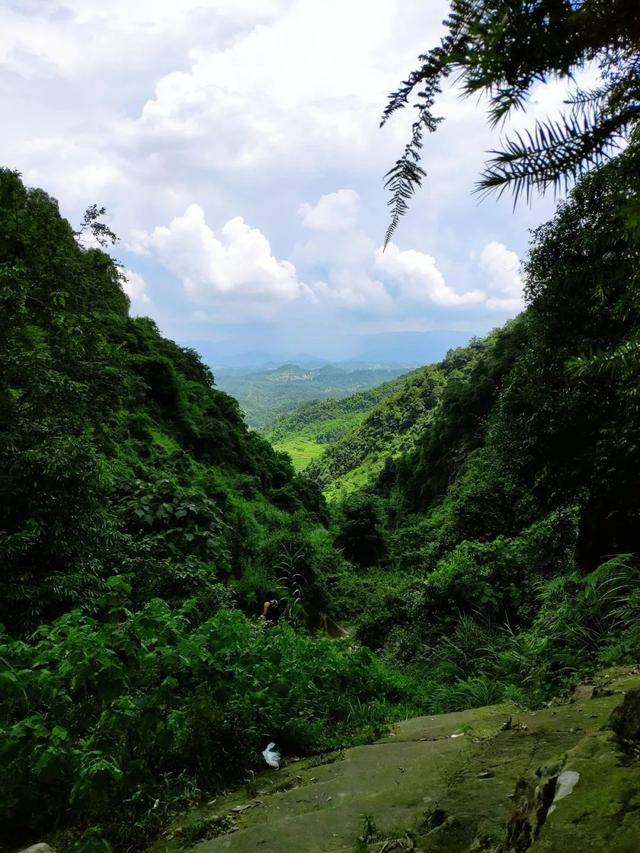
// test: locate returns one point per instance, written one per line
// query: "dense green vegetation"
(500, 550)
(347, 444)
(141, 527)
(268, 394)
(309, 430)
(483, 543)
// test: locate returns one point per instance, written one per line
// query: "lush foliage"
(115, 720)
(506, 530)
(310, 428)
(137, 511)
(115, 449)
(500, 48)
(346, 444)
(350, 441)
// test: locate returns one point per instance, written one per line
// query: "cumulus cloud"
(237, 263)
(236, 106)
(336, 211)
(338, 256)
(250, 106)
(360, 277)
(353, 290)
(420, 279)
(502, 268)
(135, 287)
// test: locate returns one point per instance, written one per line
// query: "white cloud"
(236, 264)
(502, 268)
(135, 287)
(253, 106)
(420, 279)
(348, 248)
(58, 33)
(336, 211)
(339, 256)
(353, 290)
(298, 94)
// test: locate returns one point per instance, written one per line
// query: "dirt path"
(452, 782)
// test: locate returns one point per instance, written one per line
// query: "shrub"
(110, 723)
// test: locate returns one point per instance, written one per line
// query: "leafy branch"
(500, 49)
(92, 227)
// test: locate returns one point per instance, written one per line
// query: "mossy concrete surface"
(483, 779)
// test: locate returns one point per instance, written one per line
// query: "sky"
(236, 146)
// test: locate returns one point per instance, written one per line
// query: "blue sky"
(237, 149)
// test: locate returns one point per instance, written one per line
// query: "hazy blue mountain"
(267, 394)
(407, 349)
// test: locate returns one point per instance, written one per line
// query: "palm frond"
(403, 179)
(500, 49)
(553, 154)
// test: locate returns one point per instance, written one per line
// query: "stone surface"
(625, 721)
(583, 692)
(42, 847)
(422, 789)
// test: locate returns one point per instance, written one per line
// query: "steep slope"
(358, 450)
(507, 542)
(312, 428)
(100, 414)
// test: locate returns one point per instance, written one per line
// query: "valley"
(256, 599)
(270, 393)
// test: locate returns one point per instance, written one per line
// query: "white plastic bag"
(271, 756)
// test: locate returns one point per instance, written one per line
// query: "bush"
(362, 536)
(111, 723)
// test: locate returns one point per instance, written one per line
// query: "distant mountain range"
(267, 394)
(399, 349)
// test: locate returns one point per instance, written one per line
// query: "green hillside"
(312, 428)
(142, 526)
(266, 395)
(502, 551)
(343, 445)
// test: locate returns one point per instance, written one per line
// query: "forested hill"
(267, 394)
(343, 446)
(111, 433)
(507, 540)
(310, 429)
(142, 526)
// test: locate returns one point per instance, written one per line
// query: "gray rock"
(42, 847)
(625, 721)
(583, 692)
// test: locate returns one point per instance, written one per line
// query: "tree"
(91, 225)
(500, 48)
(362, 535)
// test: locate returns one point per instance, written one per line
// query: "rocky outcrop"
(625, 722)
(534, 798)
(490, 779)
